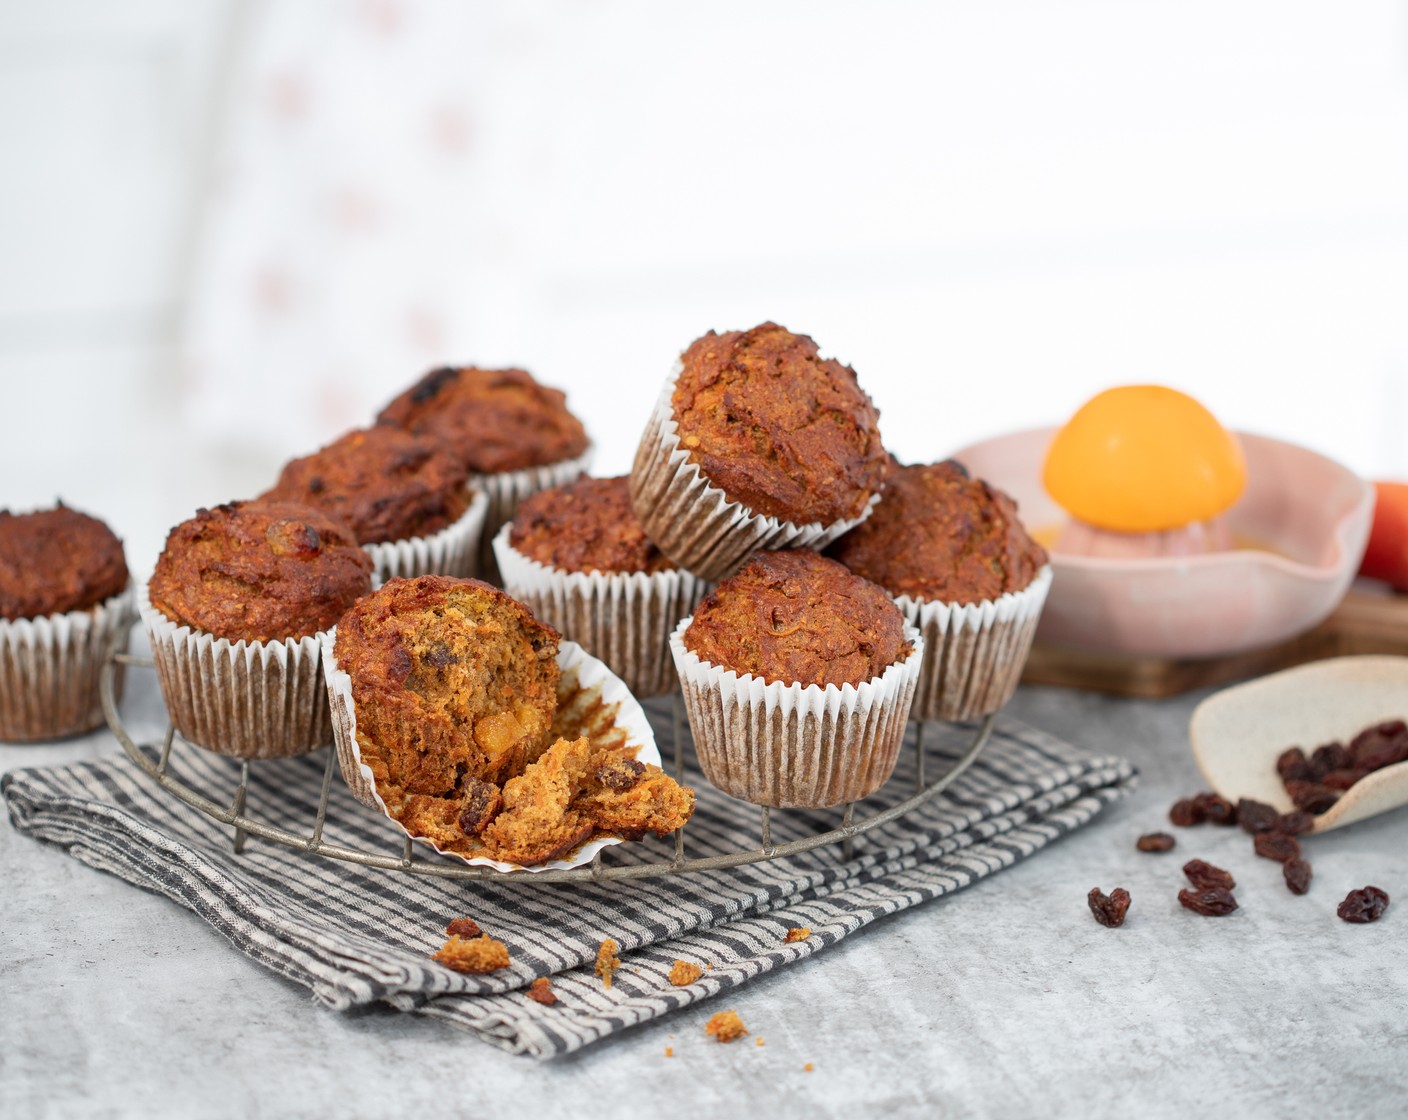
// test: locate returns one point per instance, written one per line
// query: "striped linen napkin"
(356, 935)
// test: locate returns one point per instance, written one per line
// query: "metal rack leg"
(166, 749)
(767, 828)
(237, 809)
(677, 727)
(919, 757)
(848, 845)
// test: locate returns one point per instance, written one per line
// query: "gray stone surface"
(1003, 1000)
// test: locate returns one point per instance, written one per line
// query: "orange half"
(1144, 459)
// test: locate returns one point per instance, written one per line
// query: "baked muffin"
(65, 607)
(756, 442)
(406, 497)
(962, 567)
(577, 555)
(798, 677)
(514, 435)
(447, 693)
(234, 609)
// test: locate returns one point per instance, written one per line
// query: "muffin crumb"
(669, 1051)
(725, 1026)
(807, 1068)
(463, 927)
(799, 933)
(683, 974)
(540, 991)
(607, 962)
(476, 954)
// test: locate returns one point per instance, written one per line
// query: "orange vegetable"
(1386, 557)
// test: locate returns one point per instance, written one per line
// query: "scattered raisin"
(1292, 765)
(463, 927)
(621, 774)
(1109, 910)
(1297, 873)
(1186, 813)
(1256, 816)
(1366, 905)
(1205, 875)
(540, 991)
(1380, 753)
(1312, 796)
(1213, 902)
(1155, 842)
(1277, 846)
(1332, 756)
(1216, 809)
(1295, 822)
(1342, 779)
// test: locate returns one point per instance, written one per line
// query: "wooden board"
(1364, 623)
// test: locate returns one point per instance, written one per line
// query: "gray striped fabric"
(356, 935)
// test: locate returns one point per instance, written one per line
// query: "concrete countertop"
(1006, 999)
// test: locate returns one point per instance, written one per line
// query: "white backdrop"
(991, 211)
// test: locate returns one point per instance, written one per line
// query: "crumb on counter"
(540, 991)
(463, 927)
(758, 1042)
(472, 954)
(799, 933)
(807, 1068)
(669, 1051)
(725, 1026)
(683, 973)
(607, 962)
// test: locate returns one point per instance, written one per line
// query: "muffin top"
(797, 617)
(587, 525)
(57, 560)
(940, 534)
(494, 419)
(778, 428)
(384, 482)
(259, 571)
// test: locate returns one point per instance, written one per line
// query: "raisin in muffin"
(798, 677)
(514, 435)
(578, 556)
(447, 692)
(953, 552)
(405, 496)
(756, 442)
(234, 611)
(65, 608)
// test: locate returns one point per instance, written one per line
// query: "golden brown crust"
(941, 535)
(797, 617)
(778, 428)
(57, 560)
(584, 526)
(383, 481)
(494, 419)
(259, 571)
(477, 954)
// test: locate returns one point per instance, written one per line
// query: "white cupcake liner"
(975, 652)
(506, 491)
(695, 523)
(244, 699)
(792, 745)
(453, 551)
(586, 686)
(49, 669)
(624, 618)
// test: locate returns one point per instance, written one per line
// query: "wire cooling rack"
(245, 823)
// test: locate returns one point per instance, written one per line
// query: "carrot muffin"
(454, 689)
(757, 442)
(578, 556)
(839, 666)
(64, 609)
(953, 552)
(514, 435)
(234, 611)
(405, 496)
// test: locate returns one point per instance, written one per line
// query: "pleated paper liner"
(453, 551)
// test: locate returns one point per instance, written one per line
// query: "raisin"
(1213, 902)
(293, 538)
(540, 991)
(1366, 905)
(400, 665)
(1378, 753)
(440, 656)
(621, 774)
(316, 485)
(1332, 756)
(1277, 846)
(1205, 876)
(1109, 910)
(1297, 873)
(429, 386)
(482, 802)
(1312, 796)
(1342, 779)
(1256, 816)
(463, 927)
(1295, 822)
(1292, 765)
(1155, 842)
(1216, 809)
(1186, 813)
